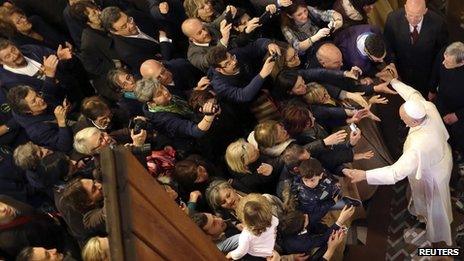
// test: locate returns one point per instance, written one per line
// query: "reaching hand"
(372, 116)
(363, 155)
(358, 98)
(271, 8)
(359, 115)
(265, 169)
(194, 196)
(335, 240)
(383, 88)
(252, 25)
(164, 7)
(49, 65)
(286, 3)
(355, 175)
(335, 138)
(63, 53)
(355, 136)
(345, 214)
(354, 73)
(378, 99)
(138, 139)
(225, 30)
(267, 67)
(323, 32)
(366, 81)
(60, 115)
(202, 84)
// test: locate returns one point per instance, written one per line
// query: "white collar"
(419, 26)
(201, 44)
(361, 43)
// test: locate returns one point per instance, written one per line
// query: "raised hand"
(383, 88)
(252, 25)
(60, 115)
(164, 7)
(202, 84)
(354, 73)
(138, 139)
(271, 8)
(63, 53)
(355, 136)
(265, 169)
(267, 68)
(358, 98)
(355, 175)
(363, 155)
(378, 99)
(49, 66)
(335, 138)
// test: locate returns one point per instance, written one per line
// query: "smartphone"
(228, 17)
(353, 127)
(264, 17)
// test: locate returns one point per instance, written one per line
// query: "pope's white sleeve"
(405, 91)
(406, 165)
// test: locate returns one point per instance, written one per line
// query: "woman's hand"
(345, 215)
(265, 169)
(272, 9)
(358, 98)
(355, 136)
(378, 99)
(324, 32)
(363, 155)
(335, 138)
(252, 25)
(164, 7)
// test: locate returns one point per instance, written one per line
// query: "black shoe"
(352, 201)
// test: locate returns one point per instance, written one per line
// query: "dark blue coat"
(304, 243)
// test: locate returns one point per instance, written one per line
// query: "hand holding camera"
(211, 108)
(138, 124)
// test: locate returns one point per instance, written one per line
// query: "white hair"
(456, 50)
(81, 140)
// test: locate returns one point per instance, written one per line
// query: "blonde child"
(260, 227)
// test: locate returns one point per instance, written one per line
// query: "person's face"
(282, 134)
(449, 62)
(215, 225)
(229, 198)
(163, 75)
(42, 254)
(301, 15)
(410, 122)
(332, 60)
(162, 97)
(300, 87)
(324, 96)
(206, 11)
(312, 182)
(103, 121)
(376, 59)
(126, 82)
(124, 26)
(415, 12)
(21, 22)
(291, 58)
(368, 8)
(199, 33)
(99, 141)
(42, 152)
(7, 213)
(93, 189)
(11, 56)
(93, 16)
(202, 175)
(230, 65)
(35, 103)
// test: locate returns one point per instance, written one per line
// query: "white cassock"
(427, 162)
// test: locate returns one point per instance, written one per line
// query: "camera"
(214, 109)
(229, 18)
(265, 17)
(274, 57)
(138, 125)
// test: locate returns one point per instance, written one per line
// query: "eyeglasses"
(130, 20)
(230, 60)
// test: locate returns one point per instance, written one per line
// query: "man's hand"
(372, 116)
(225, 31)
(363, 155)
(194, 196)
(285, 3)
(208, 108)
(138, 139)
(335, 138)
(63, 53)
(355, 136)
(358, 98)
(273, 49)
(450, 118)
(202, 84)
(267, 68)
(265, 169)
(354, 73)
(383, 88)
(431, 96)
(355, 175)
(164, 7)
(60, 115)
(252, 25)
(49, 66)
(271, 8)
(377, 99)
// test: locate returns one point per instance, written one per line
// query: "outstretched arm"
(405, 91)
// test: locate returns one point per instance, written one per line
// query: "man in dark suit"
(136, 40)
(415, 36)
(178, 75)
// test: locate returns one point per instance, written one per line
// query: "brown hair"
(310, 168)
(296, 118)
(289, 11)
(266, 133)
(94, 107)
(255, 212)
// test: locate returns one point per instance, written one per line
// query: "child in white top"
(260, 227)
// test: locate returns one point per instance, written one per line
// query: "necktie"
(414, 35)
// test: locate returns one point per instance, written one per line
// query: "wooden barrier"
(142, 221)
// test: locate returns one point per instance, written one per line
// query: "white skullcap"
(414, 109)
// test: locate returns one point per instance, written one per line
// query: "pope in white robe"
(426, 161)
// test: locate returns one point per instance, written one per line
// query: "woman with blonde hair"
(208, 11)
(96, 249)
(259, 228)
(249, 170)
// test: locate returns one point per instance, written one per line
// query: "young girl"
(260, 227)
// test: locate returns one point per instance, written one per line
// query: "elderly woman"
(250, 171)
(46, 125)
(354, 12)
(224, 199)
(29, 30)
(299, 24)
(172, 116)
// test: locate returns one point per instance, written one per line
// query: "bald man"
(415, 36)
(202, 38)
(329, 56)
(178, 75)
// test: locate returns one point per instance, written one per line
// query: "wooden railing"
(142, 221)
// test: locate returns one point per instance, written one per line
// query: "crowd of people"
(248, 113)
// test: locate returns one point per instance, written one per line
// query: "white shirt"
(31, 69)
(419, 26)
(142, 35)
(361, 43)
(260, 246)
(201, 44)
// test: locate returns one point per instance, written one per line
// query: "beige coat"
(427, 162)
